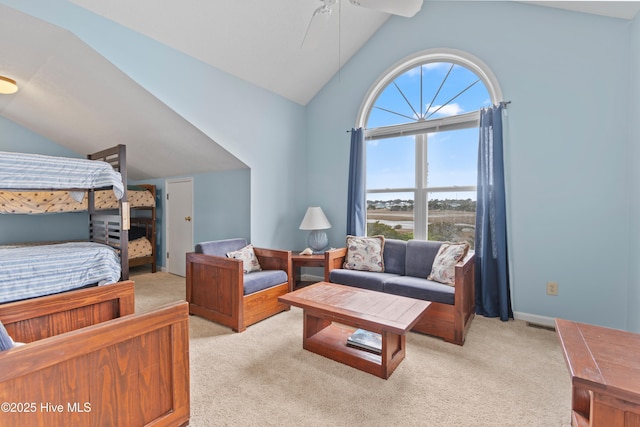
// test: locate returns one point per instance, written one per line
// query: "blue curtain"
(493, 296)
(356, 199)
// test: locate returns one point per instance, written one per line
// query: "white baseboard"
(535, 319)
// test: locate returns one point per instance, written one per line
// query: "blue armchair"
(218, 289)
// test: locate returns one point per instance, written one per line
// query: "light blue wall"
(223, 209)
(634, 187)
(567, 75)
(263, 130)
(29, 228)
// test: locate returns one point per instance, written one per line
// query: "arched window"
(421, 129)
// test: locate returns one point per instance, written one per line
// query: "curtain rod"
(502, 104)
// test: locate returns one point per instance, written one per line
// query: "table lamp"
(316, 221)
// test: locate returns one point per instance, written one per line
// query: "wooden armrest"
(333, 258)
(275, 259)
(465, 282)
(466, 263)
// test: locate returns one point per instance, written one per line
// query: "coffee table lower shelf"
(328, 339)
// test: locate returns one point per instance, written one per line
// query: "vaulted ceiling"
(67, 90)
(260, 41)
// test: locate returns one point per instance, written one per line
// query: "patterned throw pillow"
(248, 257)
(444, 266)
(365, 253)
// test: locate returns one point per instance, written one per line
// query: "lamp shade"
(8, 86)
(314, 219)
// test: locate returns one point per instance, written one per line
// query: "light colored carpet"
(506, 374)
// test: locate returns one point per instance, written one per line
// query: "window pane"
(391, 163)
(430, 91)
(453, 158)
(452, 216)
(461, 91)
(390, 214)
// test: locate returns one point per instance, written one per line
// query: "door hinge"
(167, 254)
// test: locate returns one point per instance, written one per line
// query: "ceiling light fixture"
(7, 85)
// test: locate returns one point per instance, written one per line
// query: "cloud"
(446, 111)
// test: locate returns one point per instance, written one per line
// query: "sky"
(452, 155)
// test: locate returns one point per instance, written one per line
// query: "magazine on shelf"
(366, 340)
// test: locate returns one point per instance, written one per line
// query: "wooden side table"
(605, 374)
(298, 261)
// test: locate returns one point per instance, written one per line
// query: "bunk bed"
(142, 234)
(142, 204)
(86, 349)
(31, 271)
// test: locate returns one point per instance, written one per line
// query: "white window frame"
(421, 128)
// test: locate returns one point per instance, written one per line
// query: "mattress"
(40, 202)
(19, 171)
(139, 248)
(32, 271)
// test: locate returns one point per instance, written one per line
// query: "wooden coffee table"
(332, 313)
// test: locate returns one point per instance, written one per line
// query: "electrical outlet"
(552, 288)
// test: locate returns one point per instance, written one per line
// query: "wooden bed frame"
(88, 361)
(38, 318)
(149, 224)
(109, 229)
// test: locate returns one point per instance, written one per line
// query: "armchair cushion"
(414, 287)
(360, 279)
(264, 279)
(420, 256)
(220, 247)
(394, 256)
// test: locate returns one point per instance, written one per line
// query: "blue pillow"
(5, 340)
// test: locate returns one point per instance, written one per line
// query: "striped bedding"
(32, 271)
(19, 171)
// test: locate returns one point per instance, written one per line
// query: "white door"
(179, 230)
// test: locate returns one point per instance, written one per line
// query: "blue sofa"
(406, 267)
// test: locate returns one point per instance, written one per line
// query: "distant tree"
(376, 228)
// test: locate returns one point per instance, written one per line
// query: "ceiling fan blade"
(406, 8)
(317, 24)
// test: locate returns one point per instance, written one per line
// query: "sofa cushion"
(414, 287)
(420, 256)
(360, 279)
(394, 256)
(220, 247)
(259, 280)
(248, 257)
(444, 266)
(365, 253)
